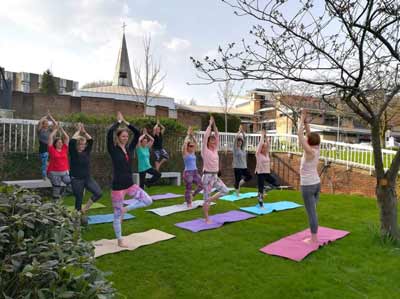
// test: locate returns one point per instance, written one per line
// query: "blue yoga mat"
(270, 207)
(106, 218)
(234, 197)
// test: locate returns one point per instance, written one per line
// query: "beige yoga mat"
(133, 241)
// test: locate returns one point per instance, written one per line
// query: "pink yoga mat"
(293, 247)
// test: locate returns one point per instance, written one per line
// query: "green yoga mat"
(95, 205)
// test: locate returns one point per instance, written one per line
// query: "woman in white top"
(309, 178)
(263, 167)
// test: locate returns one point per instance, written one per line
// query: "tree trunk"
(385, 188)
(387, 202)
(226, 122)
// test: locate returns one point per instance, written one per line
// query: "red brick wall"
(97, 106)
(338, 179)
(56, 104)
(34, 106)
(161, 111)
(189, 118)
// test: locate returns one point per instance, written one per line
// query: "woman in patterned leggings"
(190, 174)
(210, 179)
(122, 183)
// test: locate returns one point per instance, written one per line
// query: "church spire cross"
(123, 27)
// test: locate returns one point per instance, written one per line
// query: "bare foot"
(121, 243)
(189, 205)
(208, 221)
(310, 240)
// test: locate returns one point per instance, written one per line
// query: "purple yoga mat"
(217, 221)
(293, 247)
(156, 197)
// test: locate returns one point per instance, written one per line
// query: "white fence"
(20, 136)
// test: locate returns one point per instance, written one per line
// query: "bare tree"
(228, 97)
(350, 49)
(148, 80)
(193, 102)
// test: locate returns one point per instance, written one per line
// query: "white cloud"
(80, 39)
(177, 44)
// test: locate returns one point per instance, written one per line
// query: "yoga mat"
(270, 207)
(234, 197)
(133, 241)
(292, 247)
(165, 196)
(217, 221)
(106, 218)
(164, 211)
(156, 197)
(213, 190)
(95, 205)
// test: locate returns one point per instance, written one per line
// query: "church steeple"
(122, 75)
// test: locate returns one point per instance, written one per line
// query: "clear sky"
(79, 39)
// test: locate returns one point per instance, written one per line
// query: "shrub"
(233, 122)
(42, 253)
(172, 126)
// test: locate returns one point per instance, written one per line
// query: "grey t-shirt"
(43, 135)
(239, 155)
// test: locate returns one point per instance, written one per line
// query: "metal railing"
(20, 136)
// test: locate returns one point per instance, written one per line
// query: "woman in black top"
(121, 153)
(159, 151)
(79, 153)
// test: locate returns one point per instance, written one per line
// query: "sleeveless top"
(308, 169)
(190, 162)
(143, 156)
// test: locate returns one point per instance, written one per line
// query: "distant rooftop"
(115, 89)
(215, 109)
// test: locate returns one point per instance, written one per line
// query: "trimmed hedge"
(172, 126)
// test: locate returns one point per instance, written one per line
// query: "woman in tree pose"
(309, 178)
(190, 174)
(263, 167)
(58, 169)
(159, 151)
(210, 179)
(43, 136)
(143, 155)
(242, 174)
(80, 148)
(121, 153)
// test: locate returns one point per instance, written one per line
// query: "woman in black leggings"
(80, 148)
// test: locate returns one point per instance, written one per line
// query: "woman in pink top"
(210, 179)
(309, 178)
(263, 167)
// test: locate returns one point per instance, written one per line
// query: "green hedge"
(42, 252)
(172, 126)
(233, 122)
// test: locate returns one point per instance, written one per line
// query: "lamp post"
(338, 129)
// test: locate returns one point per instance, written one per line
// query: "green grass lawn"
(226, 262)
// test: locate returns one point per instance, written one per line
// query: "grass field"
(226, 262)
